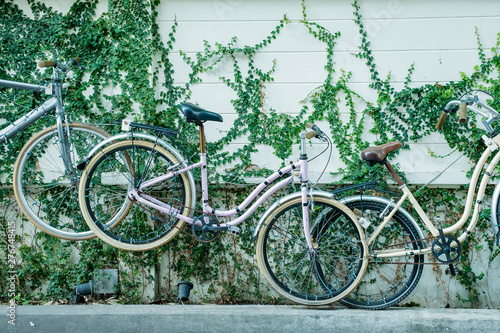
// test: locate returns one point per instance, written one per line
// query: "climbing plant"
(129, 71)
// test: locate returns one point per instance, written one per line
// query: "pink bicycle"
(137, 195)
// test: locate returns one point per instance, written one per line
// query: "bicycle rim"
(103, 194)
(319, 278)
(44, 191)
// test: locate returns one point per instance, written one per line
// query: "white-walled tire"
(330, 273)
(43, 190)
(103, 195)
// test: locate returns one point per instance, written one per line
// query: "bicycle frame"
(31, 116)
(53, 103)
(301, 166)
(492, 145)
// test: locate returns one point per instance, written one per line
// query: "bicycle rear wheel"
(47, 195)
(323, 276)
(388, 281)
(107, 209)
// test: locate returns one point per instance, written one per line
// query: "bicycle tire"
(390, 280)
(43, 190)
(103, 195)
(337, 265)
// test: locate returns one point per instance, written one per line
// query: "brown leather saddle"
(378, 154)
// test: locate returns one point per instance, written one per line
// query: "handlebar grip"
(462, 114)
(312, 134)
(46, 63)
(75, 61)
(52, 63)
(441, 120)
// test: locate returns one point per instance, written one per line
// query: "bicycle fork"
(62, 132)
(304, 188)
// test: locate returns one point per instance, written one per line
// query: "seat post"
(393, 173)
(202, 138)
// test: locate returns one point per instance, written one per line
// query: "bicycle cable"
(439, 175)
(12, 99)
(329, 146)
(480, 90)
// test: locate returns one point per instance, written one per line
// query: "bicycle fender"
(146, 137)
(494, 217)
(281, 201)
(385, 201)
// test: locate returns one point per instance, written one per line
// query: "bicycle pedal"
(235, 231)
(451, 271)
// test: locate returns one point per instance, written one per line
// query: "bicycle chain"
(419, 263)
(405, 263)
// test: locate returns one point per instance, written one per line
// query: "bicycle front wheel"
(104, 195)
(319, 277)
(46, 193)
(387, 281)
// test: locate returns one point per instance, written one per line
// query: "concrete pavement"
(244, 318)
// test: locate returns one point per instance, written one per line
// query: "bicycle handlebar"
(490, 115)
(61, 66)
(441, 120)
(46, 63)
(316, 133)
(312, 134)
(462, 114)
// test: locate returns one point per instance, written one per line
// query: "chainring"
(446, 249)
(203, 228)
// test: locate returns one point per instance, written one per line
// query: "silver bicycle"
(45, 177)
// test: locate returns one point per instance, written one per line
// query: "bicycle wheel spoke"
(113, 164)
(285, 235)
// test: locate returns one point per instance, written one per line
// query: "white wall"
(437, 36)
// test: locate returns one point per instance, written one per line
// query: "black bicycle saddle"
(197, 115)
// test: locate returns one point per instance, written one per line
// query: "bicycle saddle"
(197, 115)
(378, 154)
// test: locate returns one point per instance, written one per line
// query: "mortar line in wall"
(319, 83)
(295, 20)
(351, 51)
